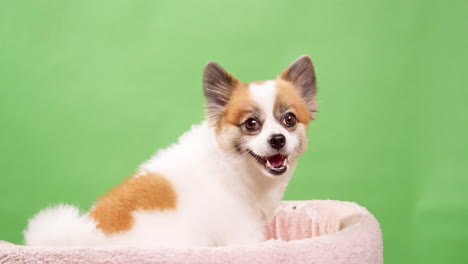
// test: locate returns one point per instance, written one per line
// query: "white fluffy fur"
(62, 225)
(223, 197)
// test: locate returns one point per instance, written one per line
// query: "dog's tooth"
(285, 162)
(268, 164)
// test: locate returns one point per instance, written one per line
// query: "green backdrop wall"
(89, 89)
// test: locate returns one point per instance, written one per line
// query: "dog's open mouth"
(276, 164)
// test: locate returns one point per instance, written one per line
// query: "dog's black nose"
(277, 141)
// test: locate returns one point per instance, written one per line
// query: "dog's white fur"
(222, 197)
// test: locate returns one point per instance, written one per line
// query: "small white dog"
(219, 185)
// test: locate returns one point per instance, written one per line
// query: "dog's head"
(263, 122)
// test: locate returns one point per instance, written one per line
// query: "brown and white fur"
(219, 185)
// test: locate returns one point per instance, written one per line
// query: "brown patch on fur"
(258, 82)
(287, 97)
(148, 191)
(238, 106)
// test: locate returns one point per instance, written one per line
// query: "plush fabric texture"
(320, 232)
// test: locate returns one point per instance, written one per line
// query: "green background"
(90, 89)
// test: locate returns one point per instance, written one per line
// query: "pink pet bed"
(320, 232)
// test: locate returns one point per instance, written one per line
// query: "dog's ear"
(217, 86)
(301, 74)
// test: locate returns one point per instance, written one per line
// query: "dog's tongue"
(276, 160)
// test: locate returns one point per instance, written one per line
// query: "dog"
(218, 185)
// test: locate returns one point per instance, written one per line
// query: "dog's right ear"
(217, 87)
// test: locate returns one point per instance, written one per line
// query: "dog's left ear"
(302, 75)
(218, 86)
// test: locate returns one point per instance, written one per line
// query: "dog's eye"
(289, 120)
(251, 124)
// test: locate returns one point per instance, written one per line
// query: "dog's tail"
(62, 225)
